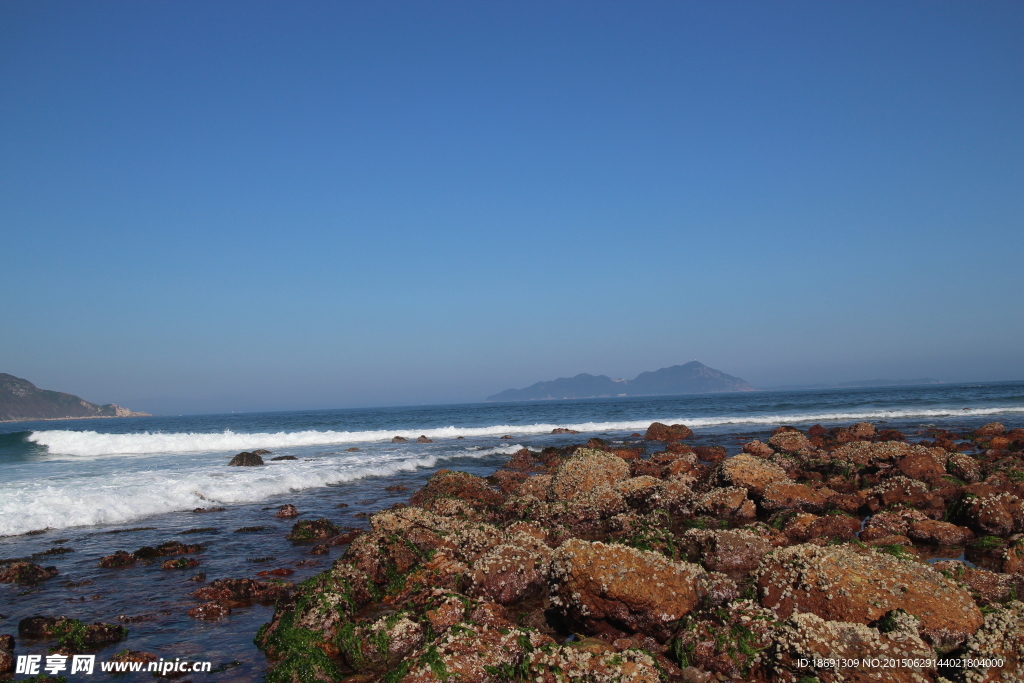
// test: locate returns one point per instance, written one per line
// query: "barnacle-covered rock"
(804, 638)
(842, 583)
(749, 472)
(586, 470)
(597, 584)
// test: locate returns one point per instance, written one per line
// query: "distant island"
(21, 400)
(691, 378)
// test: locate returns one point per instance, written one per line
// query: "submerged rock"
(26, 573)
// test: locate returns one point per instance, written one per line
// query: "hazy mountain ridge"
(22, 400)
(691, 378)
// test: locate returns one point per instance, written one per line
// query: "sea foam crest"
(91, 443)
(138, 493)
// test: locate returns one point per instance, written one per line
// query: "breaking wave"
(91, 443)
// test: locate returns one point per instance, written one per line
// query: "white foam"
(91, 443)
(115, 497)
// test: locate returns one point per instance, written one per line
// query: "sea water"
(96, 486)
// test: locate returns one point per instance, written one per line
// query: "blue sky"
(249, 206)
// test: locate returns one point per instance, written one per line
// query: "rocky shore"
(654, 560)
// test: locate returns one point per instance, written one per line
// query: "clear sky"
(256, 206)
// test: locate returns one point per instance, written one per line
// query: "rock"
(896, 523)
(788, 495)
(748, 472)
(726, 503)
(285, 457)
(72, 635)
(473, 653)
(230, 591)
(987, 587)
(423, 439)
(991, 429)
(36, 627)
(320, 549)
(585, 471)
(727, 642)
(352, 449)
(261, 451)
(165, 550)
(790, 441)
(210, 611)
(964, 467)
(1001, 638)
(732, 552)
(710, 453)
(287, 511)
(806, 638)
(563, 430)
(396, 487)
(992, 513)
(382, 644)
(26, 573)
(939, 533)
(598, 585)
(758, 449)
(445, 484)
(643, 493)
(834, 527)
(507, 437)
(245, 459)
(511, 572)
(662, 432)
(860, 586)
(313, 530)
(921, 466)
(398, 439)
(179, 563)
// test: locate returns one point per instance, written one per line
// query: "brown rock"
(26, 573)
(662, 432)
(964, 467)
(748, 472)
(991, 429)
(939, 533)
(731, 552)
(993, 514)
(862, 586)
(726, 503)
(1002, 638)
(229, 591)
(787, 495)
(451, 484)
(790, 441)
(398, 439)
(710, 453)
(921, 466)
(626, 588)
(209, 611)
(423, 439)
(806, 638)
(287, 511)
(758, 449)
(584, 471)
(511, 572)
(313, 530)
(563, 430)
(834, 527)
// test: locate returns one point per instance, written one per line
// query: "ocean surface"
(91, 487)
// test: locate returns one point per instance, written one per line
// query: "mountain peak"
(690, 378)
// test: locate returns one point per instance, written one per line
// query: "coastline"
(473, 574)
(82, 417)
